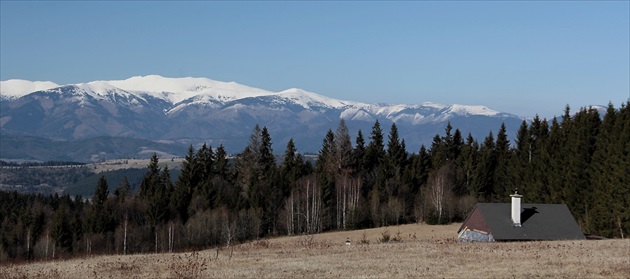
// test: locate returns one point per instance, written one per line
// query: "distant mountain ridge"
(196, 110)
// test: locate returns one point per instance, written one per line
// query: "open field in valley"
(420, 251)
(121, 164)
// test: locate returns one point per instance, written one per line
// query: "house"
(490, 222)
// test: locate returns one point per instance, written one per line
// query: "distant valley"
(21, 148)
(79, 179)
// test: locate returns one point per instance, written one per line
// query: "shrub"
(385, 237)
(364, 240)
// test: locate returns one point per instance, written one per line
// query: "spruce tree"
(247, 170)
(101, 192)
(150, 181)
(221, 165)
(610, 167)
(439, 151)
(375, 151)
(536, 182)
(123, 190)
(501, 179)
(60, 229)
(326, 169)
(343, 147)
(483, 181)
(582, 146)
(291, 168)
(185, 185)
(396, 154)
(100, 219)
(556, 148)
(267, 161)
(465, 166)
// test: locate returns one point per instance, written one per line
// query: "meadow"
(414, 250)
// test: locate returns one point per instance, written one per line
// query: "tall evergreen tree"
(535, 183)
(375, 151)
(123, 191)
(269, 194)
(343, 147)
(439, 151)
(326, 174)
(519, 165)
(466, 164)
(60, 229)
(101, 192)
(150, 181)
(204, 165)
(456, 146)
(291, 168)
(605, 204)
(396, 152)
(358, 154)
(556, 148)
(221, 165)
(247, 169)
(185, 185)
(582, 146)
(100, 220)
(267, 161)
(154, 192)
(483, 181)
(501, 179)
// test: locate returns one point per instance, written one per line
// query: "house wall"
(468, 235)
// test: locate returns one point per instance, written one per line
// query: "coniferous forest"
(580, 159)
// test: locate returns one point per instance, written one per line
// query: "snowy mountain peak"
(471, 110)
(433, 105)
(176, 90)
(16, 88)
(100, 88)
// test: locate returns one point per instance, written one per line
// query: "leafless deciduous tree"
(303, 207)
(348, 193)
(439, 190)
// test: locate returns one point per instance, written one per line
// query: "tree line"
(580, 159)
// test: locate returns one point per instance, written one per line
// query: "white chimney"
(516, 208)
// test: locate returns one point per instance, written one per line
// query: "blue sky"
(523, 57)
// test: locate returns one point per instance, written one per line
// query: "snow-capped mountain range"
(193, 110)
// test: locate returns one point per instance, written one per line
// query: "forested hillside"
(581, 159)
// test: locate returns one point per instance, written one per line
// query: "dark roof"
(539, 222)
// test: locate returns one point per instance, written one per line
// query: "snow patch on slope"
(308, 99)
(356, 114)
(389, 110)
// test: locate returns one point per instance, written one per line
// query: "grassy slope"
(425, 251)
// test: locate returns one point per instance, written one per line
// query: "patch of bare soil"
(415, 250)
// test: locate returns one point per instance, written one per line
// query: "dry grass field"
(414, 251)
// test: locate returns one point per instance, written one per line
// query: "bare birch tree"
(439, 191)
(348, 193)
